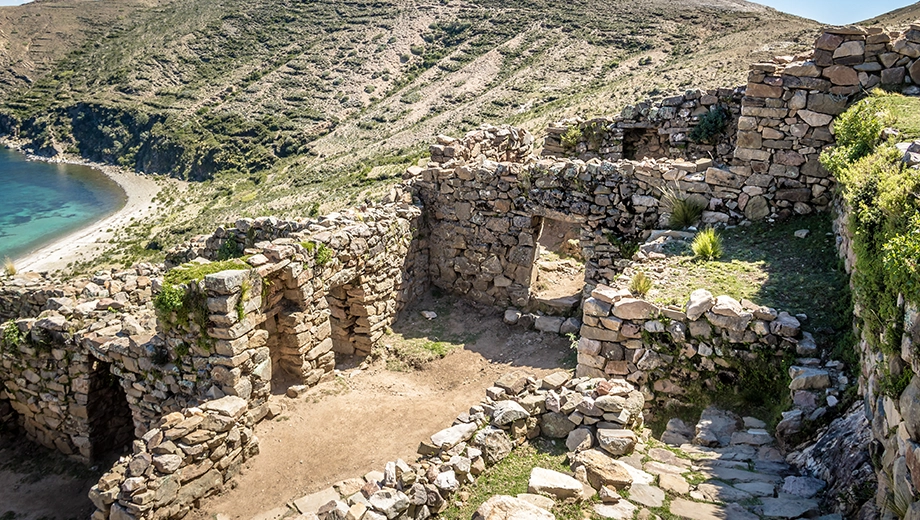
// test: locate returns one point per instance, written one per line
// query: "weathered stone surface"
(556, 425)
(503, 507)
(634, 309)
(841, 75)
(312, 502)
(815, 119)
(716, 427)
(806, 378)
(494, 443)
(700, 302)
(716, 491)
(646, 495)
(579, 439)
(617, 442)
(805, 487)
(788, 508)
(910, 407)
(602, 470)
(554, 484)
(620, 510)
(451, 436)
(506, 412)
(677, 433)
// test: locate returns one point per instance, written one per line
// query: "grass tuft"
(685, 211)
(707, 245)
(640, 284)
(9, 267)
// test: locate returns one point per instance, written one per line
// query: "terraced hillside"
(287, 105)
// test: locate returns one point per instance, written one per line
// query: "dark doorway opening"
(111, 427)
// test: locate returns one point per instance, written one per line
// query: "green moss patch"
(195, 272)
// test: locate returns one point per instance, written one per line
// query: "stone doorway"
(111, 426)
(639, 143)
(559, 267)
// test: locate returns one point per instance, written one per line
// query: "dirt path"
(38, 484)
(353, 425)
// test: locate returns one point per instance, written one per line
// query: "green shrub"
(883, 199)
(857, 131)
(571, 137)
(9, 267)
(229, 250)
(640, 284)
(170, 299)
(711, 125)
(707, 245)
(12, 336)
(902, 259)
(685, 211)
(322, 253)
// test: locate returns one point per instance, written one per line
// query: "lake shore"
(83, 244)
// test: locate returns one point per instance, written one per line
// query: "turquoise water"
(41, 202)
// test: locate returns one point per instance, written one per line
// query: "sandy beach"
(84, 243)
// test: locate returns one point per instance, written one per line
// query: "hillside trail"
(358, 422)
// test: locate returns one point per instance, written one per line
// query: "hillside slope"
(897, 18)
(287, 105)
(34, 36)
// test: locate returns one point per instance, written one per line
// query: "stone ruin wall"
(92, 366)
(894, 419)
(651, 129)
(194, 392)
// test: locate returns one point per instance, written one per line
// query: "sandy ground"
(346, 428)
(38, 484)
(87, 242)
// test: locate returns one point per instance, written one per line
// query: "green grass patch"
(768, 265)
(195, 272)
(511, 475)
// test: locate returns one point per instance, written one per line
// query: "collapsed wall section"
(663, 127)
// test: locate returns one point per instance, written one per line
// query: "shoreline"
(139, 192)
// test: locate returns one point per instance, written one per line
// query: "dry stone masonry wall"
(790, 104)
(651, 129)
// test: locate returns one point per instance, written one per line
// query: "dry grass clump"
(640, 284)
(9, 267)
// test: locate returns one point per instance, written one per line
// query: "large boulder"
(503, 507)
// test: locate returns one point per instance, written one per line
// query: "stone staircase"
(723, 468)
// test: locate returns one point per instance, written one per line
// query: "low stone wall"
(598, 418)
(654, 128)
(661, 348)
(186, 456)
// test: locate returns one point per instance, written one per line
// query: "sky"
(836, 12)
